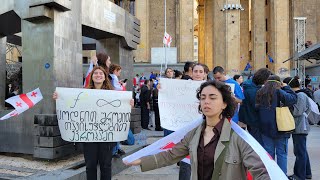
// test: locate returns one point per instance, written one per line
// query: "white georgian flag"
(87, 80)
(23, 102)
(168, 142)
(167, 39)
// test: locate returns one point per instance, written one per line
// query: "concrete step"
(134, 173)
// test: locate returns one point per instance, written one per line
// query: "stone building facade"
(231, 38)
(179, 22)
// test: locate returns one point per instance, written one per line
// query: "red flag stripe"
(26, 99)
(87, 81)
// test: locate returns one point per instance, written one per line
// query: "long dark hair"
(102, 58)
(224, 89)
(265, 94)
(106, 83)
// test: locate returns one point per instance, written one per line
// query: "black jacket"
(144, 96)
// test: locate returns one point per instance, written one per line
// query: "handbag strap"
(279, 103)
(278, 98)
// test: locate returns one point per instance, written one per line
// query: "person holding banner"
(169, 73)
(216, 152)
(199, 72)
(97, 152)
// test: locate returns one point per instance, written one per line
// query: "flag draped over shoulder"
(171, 140)
(165, 143)
(23, 102)
(167, 39)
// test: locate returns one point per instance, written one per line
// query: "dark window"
(250, 36)
(85, 60)
(267, 47)
(267, 25)
(266, 2)
(250, 55)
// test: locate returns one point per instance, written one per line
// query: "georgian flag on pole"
(168, 142)
(23, 102)
(87, 80)
(167, 39)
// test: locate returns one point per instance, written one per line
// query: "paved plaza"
(172, 172)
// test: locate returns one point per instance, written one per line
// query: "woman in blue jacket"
(267, 99)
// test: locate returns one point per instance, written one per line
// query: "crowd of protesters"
(256, 99)
(251, 104)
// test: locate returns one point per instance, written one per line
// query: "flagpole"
(161, 63)
(165, 30)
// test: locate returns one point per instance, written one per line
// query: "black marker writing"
(75, 102)
(114, 103)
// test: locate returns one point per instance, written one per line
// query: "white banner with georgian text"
(90, 115)
(178, 105)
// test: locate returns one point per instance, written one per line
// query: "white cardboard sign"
(90, 115)
(178, 105)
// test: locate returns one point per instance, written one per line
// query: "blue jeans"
(184, 171)
(279, 147)
(302, 164)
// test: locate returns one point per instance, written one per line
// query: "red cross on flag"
(167, 39)
(87, 80)
(165, 143)
(23, 102)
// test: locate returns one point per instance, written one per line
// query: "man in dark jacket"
(247, 112)
(187, 70)
(145, 104)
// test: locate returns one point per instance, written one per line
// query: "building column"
(208, 9)
(3, 41)
(244, 35)
(185, 44)
(119, 55)
(201, 27)
(258, 31)
(232, 40)
(142, 54)
(279, 32)
(219, 36)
